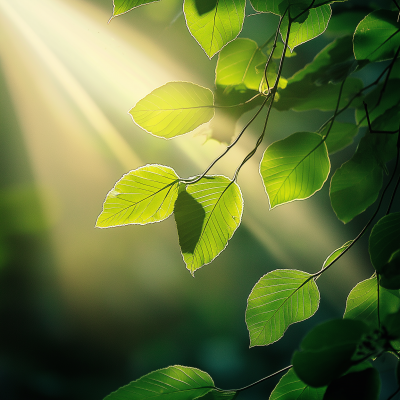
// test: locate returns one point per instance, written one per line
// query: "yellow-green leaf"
(207, 215)
(174, 109)
(141, 196)
(294, 168)
(214, 23)
(279, 299)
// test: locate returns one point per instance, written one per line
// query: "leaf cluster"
(333, 360)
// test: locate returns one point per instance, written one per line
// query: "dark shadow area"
(205, 6)
(189, 217)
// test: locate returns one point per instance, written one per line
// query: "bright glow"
(73, 78)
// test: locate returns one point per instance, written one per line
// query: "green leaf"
(326, 351)
(335, 254)
(362, 302)
(301, 32)
(294, 168)
(238, 65)
(320, 70)
(377, 36)
(384, 240)
(390, 273)
(141, 196)
(123, 6)
(174, 109)
(171, 383)
(304, 96)
(392, 325)
(356, 184)
(214, 23)
(389, 101)
(365, 384)
(340, 136)
(207, 215)
(279, 299)
(290, 387)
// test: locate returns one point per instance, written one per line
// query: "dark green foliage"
(332, 360)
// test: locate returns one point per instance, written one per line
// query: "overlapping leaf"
(238, 64)
(174, 109)
(171, 383)
(377, 36)
(279, 299)
(313, 26)
(141, 196)
(294, 168)
(356, 184)
(384, 240)
(290, 387)
(214, 23)
(362, 302)
(326, 351)
(207, 215)
(123, 6)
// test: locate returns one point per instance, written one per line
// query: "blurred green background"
(84, 311)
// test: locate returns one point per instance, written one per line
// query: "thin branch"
(362, 231)
(387, 76)
(398, 179)
(261, 380)
(191, 180)
(394, 394)
(336, 110)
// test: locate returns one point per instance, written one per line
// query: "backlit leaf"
(207, 215)
(362, 302)
(279, 299)
(377, 36)
(238, 64)
(384, 240)
(123, 6)
(294, 168)
(171, 383)
(214, 23)
(314, 25)
(290, 387)
(335, 254)
(174, 109)
(141, 196)
(356, 184)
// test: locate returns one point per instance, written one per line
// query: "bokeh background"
(84, 311)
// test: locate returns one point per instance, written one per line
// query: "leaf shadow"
(205, 6)
(189, 218)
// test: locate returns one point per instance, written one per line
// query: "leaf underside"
(279, 299)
